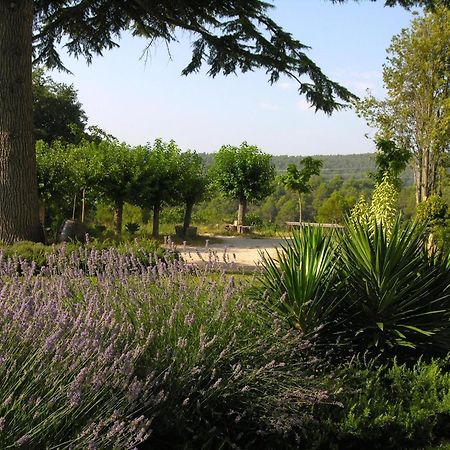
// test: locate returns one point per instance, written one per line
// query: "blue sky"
(138, 101)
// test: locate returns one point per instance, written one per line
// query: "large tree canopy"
(431, 4)
(229, 35)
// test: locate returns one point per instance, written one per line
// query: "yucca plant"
(398, 294)
(298, 284)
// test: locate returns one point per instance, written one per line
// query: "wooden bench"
(314, 224)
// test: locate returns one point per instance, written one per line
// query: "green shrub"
(30, 252)
(391, 406)
(146, 252)
(433, 211)
(132, 227)
(254, 220)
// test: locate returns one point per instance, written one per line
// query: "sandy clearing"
(244, 252)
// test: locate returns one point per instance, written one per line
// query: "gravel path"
(244, 252)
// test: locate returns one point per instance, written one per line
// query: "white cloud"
(286, 85)
(268, 106)
(359, 81)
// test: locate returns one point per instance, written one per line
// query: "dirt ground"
(241, 251)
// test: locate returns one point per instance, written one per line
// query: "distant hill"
(347, 166)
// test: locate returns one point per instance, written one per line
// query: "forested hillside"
(346, 166)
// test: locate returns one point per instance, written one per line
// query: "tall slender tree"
(416, 113)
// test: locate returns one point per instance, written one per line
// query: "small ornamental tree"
(160, 179)
(193, 184)
(299, 180)
(120, 178)
(56, 183)
(244, 173)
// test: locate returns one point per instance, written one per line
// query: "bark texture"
(156, 210)
(19, 209)
(118, 215)
(187, 217)
(241, 211)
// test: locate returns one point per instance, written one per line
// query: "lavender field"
(99, 351)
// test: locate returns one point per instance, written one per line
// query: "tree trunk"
(300, 218)
(241, 211)
(187, 217)
(156, 210)
(19, 208)
(118, 214)
(418, 180)
(425, 175)
(42, 213)
(83, 205)
(145, 215)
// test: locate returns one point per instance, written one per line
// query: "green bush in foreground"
(397, 294)
(390, 406)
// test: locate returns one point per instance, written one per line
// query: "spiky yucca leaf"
(298, 284)
(398, 294)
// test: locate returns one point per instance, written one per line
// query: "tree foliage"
(56, 183)
(161, 178)
(430, 4)
(391, 160)
(120, 177)
(334, 208)
(58, 115)
(228, 36)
